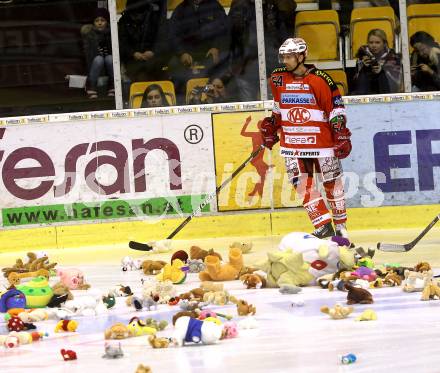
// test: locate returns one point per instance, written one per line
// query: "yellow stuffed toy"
(338, 312)
(215, 271)
(173, 272)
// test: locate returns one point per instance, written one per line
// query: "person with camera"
(378, 68)
(214, 92)
(425, 62)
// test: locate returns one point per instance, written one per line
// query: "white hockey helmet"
(292, 45)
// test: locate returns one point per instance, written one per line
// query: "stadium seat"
(193, 83)
(137, 91)
(363, 20)
(424, 17)
(340, 78)
(320, 29)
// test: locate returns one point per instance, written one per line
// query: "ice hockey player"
(309, 116)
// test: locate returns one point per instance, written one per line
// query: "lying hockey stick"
(407, 247)
(145, 247)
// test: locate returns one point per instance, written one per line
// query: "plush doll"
(175, 272)
(73, 278)
(180, 254)
(148, 301)
(130, 264)
(392, 279)
(365, 273)
(248, 323)
(302, 258)
(137, 328)
(244, 247)
(10, 341)
(230, 330)
(431, 291)
(152, 267)
(215, 271)
(118, 331)
(34, 315)
(253, 281)
(337, 312)
(190, 330)
(211, 286)
(165, 289)
(12, 299)
(120, 291)
(367, 315)
(289, 289)
(156, 342)
(143, 369)
(192, 314)
(22, 338)
(416, 281)
(195, 265)
(15, 324)
(358, 295)
(112, 352)
(422, 267)
(158, 325)
(243, 308)
(196, 294)
(68, 354)
(216, 297)
(66, 326)
(86, 305)
(196, 252)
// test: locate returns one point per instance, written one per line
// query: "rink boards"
(140, 171)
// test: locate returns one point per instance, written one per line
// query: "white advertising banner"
(396, 154)
(104, 169)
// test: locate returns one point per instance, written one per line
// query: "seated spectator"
(425, 62)
(214, 92)
(347, 7)
(142, 39)
(98, 51)
(279, 21)
(198, 36)
(154, 96)
(378, 67)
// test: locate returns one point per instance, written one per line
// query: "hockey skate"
(341, 230)
(324, 231)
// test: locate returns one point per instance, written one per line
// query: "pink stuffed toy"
(230, 330)
(72, 278)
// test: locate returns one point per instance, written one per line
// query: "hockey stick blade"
(144, 247)
(390, 247)
(139, 246)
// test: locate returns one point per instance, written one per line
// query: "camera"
(374, 62)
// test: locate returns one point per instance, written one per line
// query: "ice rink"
(404, 338)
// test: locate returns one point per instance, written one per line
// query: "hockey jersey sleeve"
(328, 96)
(276, 81)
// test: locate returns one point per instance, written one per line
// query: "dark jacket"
(196, 31)
(142, 27)
(96, 43)
(422, 80)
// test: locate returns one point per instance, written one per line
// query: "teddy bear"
(422, 267)
(211, 286)
(358, 295)
(196, 252)
(190, 330)
(337, 312)
(215, 271)
(244, 247)
(253, 281)
(416, 281)
(143, 369)
(392, 279)
(156, 342)
(118, 331)
(243, 307)
(431, 291)
(216, 297)
(152, 267)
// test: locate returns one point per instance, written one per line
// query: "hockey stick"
(145, 247)
(407, 247)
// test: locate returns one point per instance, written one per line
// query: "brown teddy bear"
(141, 368)
(193, 294)
(358, 295)
(337, 312)
(215, 271)
(118, 331)
(243, 307)
(422, 267)
(156, 342)
(211, 286)
(196, 252)
(152, 267)
(253, 281)
(392, 279)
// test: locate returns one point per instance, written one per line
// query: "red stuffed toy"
(68, 354)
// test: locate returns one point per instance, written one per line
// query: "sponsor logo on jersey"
(300, 139)
(298, 115)
(338, 101)
(300, 153)
(297, 87)
(292, 98)
(300, 129)
(325, 76)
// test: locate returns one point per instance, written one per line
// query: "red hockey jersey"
(303, 107)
